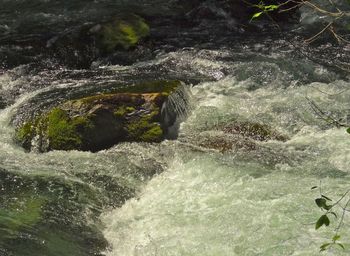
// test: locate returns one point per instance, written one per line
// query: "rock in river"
(79, 47)
(148, 112)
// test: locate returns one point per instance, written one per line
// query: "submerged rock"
(237, 135)
(124, 32)
(81, 46)
(224, 143)
(148, 112)
(55, 211)
(255, 131)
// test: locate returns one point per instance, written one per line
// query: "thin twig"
(339, 38)
(341, 198)
(324, 116)
(290, 8)
(342, 217)
(313, 38)
(323, 11)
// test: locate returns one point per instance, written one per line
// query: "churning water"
(239, 202)
(206, 193)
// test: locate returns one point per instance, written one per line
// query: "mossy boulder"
(81, 46)
(124, 32)
(97, 122)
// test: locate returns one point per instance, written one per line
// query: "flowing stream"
(190, 196)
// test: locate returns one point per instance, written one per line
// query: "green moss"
(63, 132)
(129, 109)
(161, 86)
(109, 98)
(154, 134)
(25, 131)
(129, 33)
(124, 32)
(145, 128)
(122, 111)
(91, 99)
(25, 134)
(112, 113)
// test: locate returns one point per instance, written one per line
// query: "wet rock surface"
(101, 121)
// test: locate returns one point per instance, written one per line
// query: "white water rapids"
(244, 203)
(211, 203)
(209, 192)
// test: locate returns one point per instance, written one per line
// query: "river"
(178, 197)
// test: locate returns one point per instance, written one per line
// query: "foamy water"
(235, 203)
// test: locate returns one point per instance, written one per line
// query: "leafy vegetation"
(329, 210)
(265, 9)
(333, 13)
(323, 202)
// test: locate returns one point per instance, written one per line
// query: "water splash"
(176, 109)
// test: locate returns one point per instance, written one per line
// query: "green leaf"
(327, 207)
(314, 187)
(341, 245)
(256, 15)
(323, 220)
(336, 237)
(324, 247)
(270, 7)
(327, 198)
(335, 215)
(348, 130)
(321, 202)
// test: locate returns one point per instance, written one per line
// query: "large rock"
(81, 46)
(149, 112)
(124, 32)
